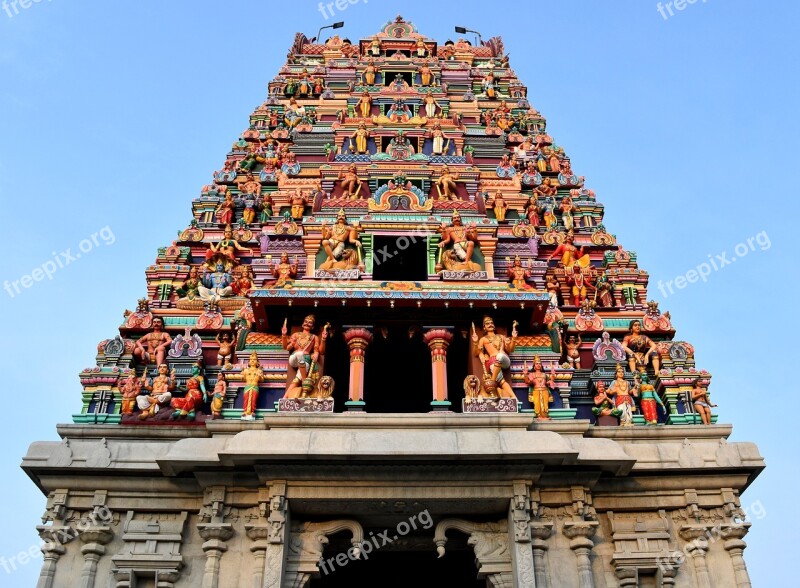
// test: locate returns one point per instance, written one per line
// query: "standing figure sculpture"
(298, 204)
(187, 406)
(152, 347)
(518, 274)
(369, 74)
(640, 348)
(430, 104)
(573, 354)
(623, 401)
(500, 206)
(284, 271)
(160, 392)
(225, 351)
(438, 139)
(351, 185)
(446, 184)
(492, 350)
(539, 383)
(130, 389)
(702, 404)
(305, 349)
(649, 398)
(252, 375)
(532, 212)
(425, 74)
(365, 104)
(218, 396)
(359, 139)
(225, 209)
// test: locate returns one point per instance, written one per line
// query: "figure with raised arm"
(493, 351)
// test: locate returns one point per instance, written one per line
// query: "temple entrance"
(401, 569)
(399, 258)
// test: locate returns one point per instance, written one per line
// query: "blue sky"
(113, 115)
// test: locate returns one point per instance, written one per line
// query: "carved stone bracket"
(490, 542)
(307, 543)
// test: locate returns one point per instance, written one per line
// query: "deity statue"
(518, 274)
(463, 239)
(305, 349)
(573, 353)
(153, 346)
(640, 348)
(430, 105)
(304, 85)
(567, 208)
(218, 396)
(500, 206)
(217, 284)
(425, 74)
(603, 290)
(225, 209)
(225, 351)
(359, 139)
(298, 204)
(284, 271)
(399, 147)
(160, 389)
(488, 85)
(369, 74)
(539, 394)
(446, 184)
(578, 282)
(335, 240)
(492, 350)
(649, 398)
(604, 402)
(421, 49)
(702, 404)
(351, 185)
(553, 288)
(438, 137)
(293, 113)
(252, 376)
(570, 255)
(242, 285)
(266, 203)
(227, 247)
(190, 288)
(365, 104)
(375, 47)
(532, 211)
(130, 389)
(623, 401)
(195, 394)
(547, 189)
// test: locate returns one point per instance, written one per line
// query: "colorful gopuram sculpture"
(396, 185)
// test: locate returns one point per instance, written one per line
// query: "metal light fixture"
(336, 25)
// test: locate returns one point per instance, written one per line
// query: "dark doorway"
(401, 569)
(397, 374)
(399, 258)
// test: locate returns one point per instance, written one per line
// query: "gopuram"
(395, 345)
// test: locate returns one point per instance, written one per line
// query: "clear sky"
(114, 114)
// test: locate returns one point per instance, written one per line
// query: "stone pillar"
(94, 539)
(540, 532)
(259, 535)
(697, 549)
(215, 534)
(276, 552)
(580, 534)
(358, 339)
(733, 536)
(438, 339)
(628, 577)
(52, 550)
(519, 522)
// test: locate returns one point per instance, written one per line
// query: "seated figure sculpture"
(160, 392)
(335, 240)
(463, 239)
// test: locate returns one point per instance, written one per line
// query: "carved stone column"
(275, 553)
(438, 340)
(540, 532)
(52, 550)
(215, 534)
(94, 539)
(258, 534)
(697, 549)
(358, 339)
(580, 534)
(628, 577)
(733, 536)
(519, 518)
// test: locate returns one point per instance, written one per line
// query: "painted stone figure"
(702, 404)
(463, 239)
(305, 349)
(640, 348)
(359, 138)
(284, 272)
(573, 351)
(130, 389)
(351, 185)
(604, 401)
(152, 347)
(518, 274)
(570, 255)
(335, 240)
(493, 351)
(364, 105)
(187, 406)
(446, 184)
(298, 204)
(218, 396)
(252, 376)
(500, 207)
(623, 399)
(539, 384)
(227, 247)
(216, 284)
(190, 288)
(649, 398)
(225, 210)
(160, 390)
(225, 351)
